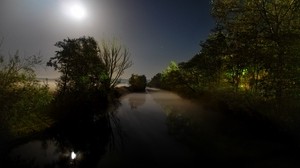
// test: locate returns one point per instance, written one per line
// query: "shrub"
(137, 83)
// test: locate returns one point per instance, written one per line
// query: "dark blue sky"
(155, 31)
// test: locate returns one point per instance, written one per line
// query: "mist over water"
(147, 142)
(157, 129)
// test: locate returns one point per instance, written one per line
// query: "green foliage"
(23, 101)
(26, 112)
(170, 76)
(250, 61)
(88, 71)
(173, 67)
(249, 51)
(138, 83)
(156, 81)
(17, 71)
(81, 67)
(177, 78)
(260, 36)
(84, 83)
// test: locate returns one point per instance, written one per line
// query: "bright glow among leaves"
(73, 155)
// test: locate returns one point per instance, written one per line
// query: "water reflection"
(73, 155)
(146, 139)
(137, 100)
(39, 153)
(227, 139)
(77, 141)
(154, 129)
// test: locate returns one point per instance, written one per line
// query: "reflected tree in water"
(87, 134)
(136, 101)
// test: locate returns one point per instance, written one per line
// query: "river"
(156, 129)
(146, 140)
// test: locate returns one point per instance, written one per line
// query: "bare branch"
(116, 59)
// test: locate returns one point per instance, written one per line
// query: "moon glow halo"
(75, 11)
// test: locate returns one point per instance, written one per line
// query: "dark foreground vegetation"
(24, 102)
(76, 109)
(249, 65)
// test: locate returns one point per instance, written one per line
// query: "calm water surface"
(152, 129)
(146, 139)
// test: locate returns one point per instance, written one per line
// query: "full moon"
(76, 11)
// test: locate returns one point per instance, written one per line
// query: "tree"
(170, 76)
(205, 68)
(17, 72)
(116, 59)
(176, 78)
(282, 29)
(261, 36)
(23, 100)
(156, 81)
(138, 82)
(81, 65)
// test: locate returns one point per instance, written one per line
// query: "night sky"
(155, 31)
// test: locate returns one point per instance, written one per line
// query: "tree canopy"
(138, 82)
(86, 66)
(261, 39)
(80, 65)
(254, 50)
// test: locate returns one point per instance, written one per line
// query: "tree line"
(252, 51)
